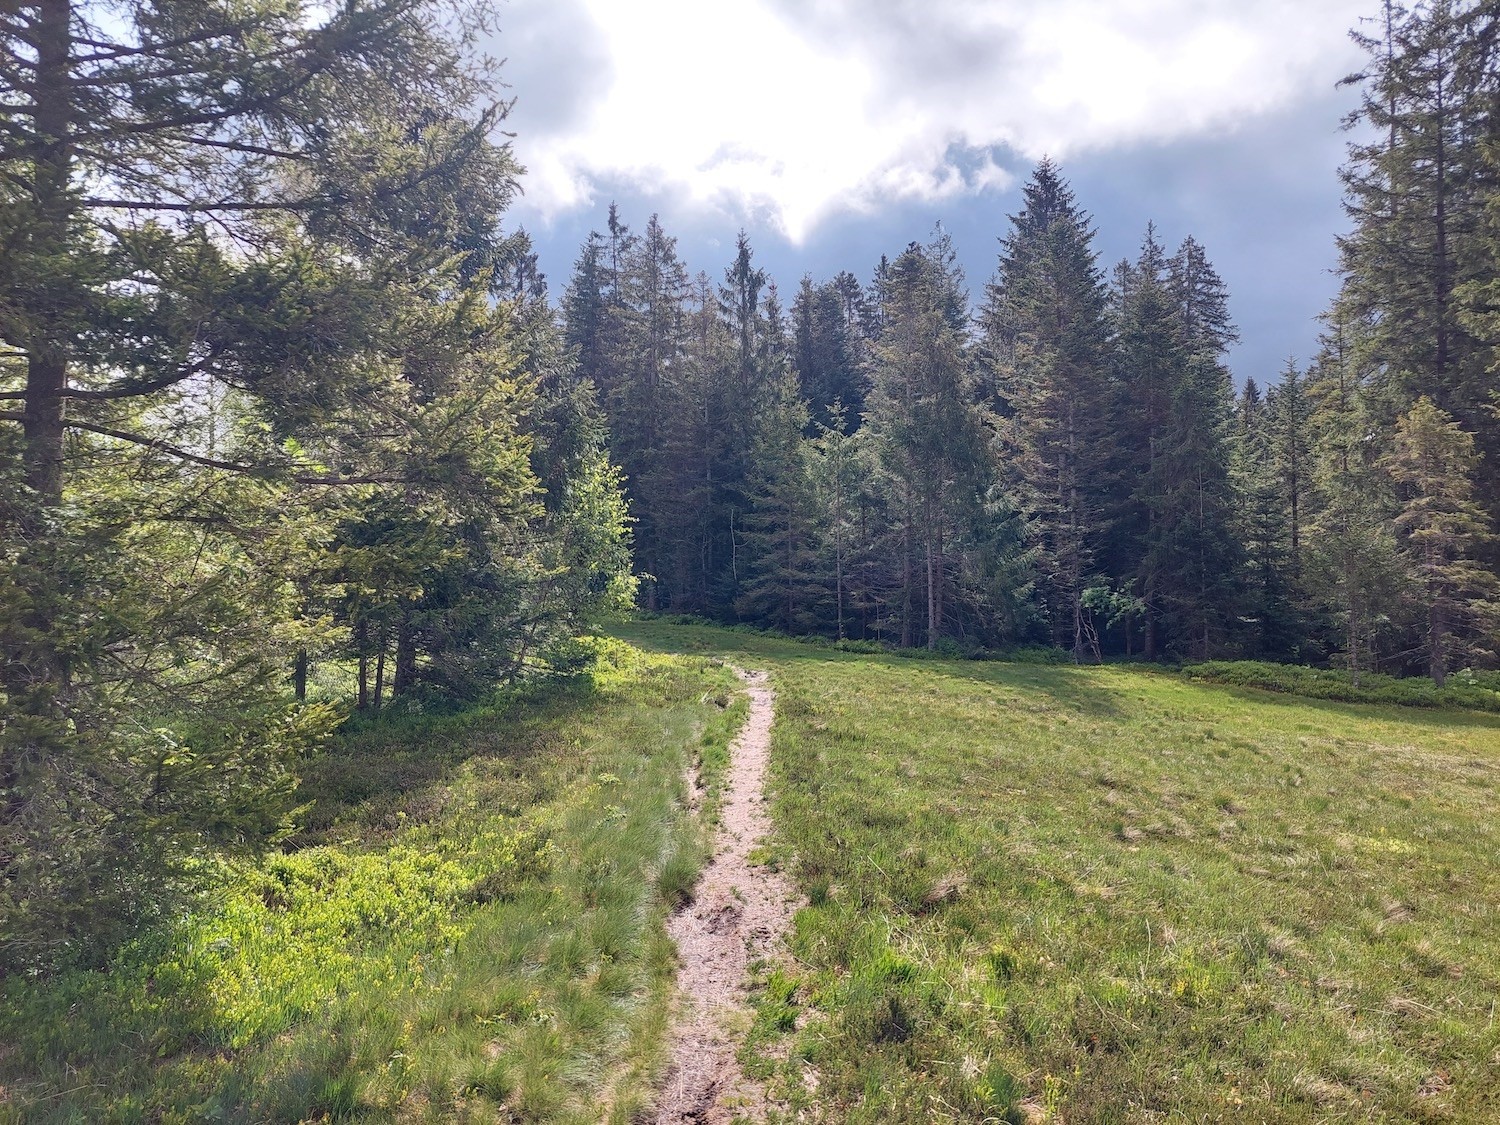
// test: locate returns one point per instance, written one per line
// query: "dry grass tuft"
(1282, 946)
(1322, 1092)
(945, 890)
(1408, 1008)
(1437, 1083)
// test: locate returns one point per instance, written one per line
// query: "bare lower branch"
(251, 470)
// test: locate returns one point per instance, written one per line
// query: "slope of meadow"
(1109, 894)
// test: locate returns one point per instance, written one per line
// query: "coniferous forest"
(293, 433)
(274, 394)
(1061, 456)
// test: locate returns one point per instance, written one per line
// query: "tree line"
(278, 398)
(1066, 460)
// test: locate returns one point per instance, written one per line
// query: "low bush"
(469, 925)
(1466, 689)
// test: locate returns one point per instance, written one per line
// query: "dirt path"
(740, 914)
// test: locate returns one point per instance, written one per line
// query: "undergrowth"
(469, 928)
(1475, 691)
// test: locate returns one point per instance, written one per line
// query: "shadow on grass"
(155, 1015)
(1425, 718)
(404, 758)
(1061, 683)
(1069, 685)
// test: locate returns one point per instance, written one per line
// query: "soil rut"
(739, 914)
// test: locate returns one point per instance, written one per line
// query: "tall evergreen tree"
(1151, 358)
(926, 426)
(1263, 527)
(1174, 537)
(1442, 528)
(1415, 192)
(838, 471)
(1291, 438)
(248, 246)
(830, 350)
(1048, 348)
(704, 550)
(646, 407)
(782, 587)
(1348, 562)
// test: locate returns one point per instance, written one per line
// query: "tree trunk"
(1442, 285)
(361, 640)
(838, 581)
(931, 599)
(299, 676)
(938, 608)
(46, 351)
(1149, 644)
(1294, 488)
(406, 659)
(791, 583)
(1353, 626)
(1437, 637)
(42, 424)
(906, 637)
(1077, 626)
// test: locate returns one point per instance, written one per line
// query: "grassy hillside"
(469, 930)
(1105, 894)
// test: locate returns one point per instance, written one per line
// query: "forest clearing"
(978, 652)
(1032, 893)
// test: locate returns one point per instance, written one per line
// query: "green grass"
(469, 929)
(1107, 894)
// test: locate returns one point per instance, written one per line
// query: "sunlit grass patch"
(470, 928)
(1110, 894)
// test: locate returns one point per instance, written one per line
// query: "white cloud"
(798, 109)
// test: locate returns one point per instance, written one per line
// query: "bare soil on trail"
(740, 913)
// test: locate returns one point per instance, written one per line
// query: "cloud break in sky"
(790, 112)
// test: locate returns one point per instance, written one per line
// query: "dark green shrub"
(1464, 689)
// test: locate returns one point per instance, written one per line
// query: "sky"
(835, 131)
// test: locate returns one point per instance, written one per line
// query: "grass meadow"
(1109, 894)
(469, 928)
(1035, 893)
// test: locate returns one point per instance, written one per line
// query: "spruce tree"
(1151, 359)
(829, 349)
(1442, 529)
(1199, 437)
(647, 405)
(1174, 536)
(1262, 525)
(1415, 192)
(1291, 437)
(838, 469)
(1049, 372)
(781, 587)
(926, 427)
(1348, 564)
(249, 253)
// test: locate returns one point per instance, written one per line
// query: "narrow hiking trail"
(740, 913)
